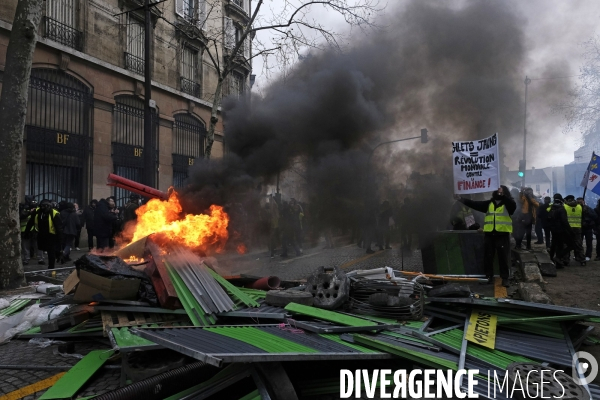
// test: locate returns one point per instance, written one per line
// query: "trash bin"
(453, 253)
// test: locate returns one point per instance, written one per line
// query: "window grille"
(134, 57)
(58, 128)
(128, 141)
(189, 69)
(189, 135)
(193, 11)
(60, 23)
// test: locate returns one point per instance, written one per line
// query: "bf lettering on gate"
(62, 138)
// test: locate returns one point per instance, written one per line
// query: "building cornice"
(78, 54)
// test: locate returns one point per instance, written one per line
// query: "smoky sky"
(455, 70)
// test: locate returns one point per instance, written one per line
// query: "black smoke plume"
(454, 68)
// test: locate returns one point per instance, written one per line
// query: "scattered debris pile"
(205, 334)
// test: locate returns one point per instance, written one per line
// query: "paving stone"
(533, 292)
(531, 273)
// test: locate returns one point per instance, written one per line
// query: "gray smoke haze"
(455, 70)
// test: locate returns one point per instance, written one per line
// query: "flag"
(592, 175)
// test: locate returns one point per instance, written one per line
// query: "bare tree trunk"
(214, 118)
(13, 108)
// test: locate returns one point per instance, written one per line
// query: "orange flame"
(241, 248)
(166, 220)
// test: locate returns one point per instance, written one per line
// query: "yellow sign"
(482, 329)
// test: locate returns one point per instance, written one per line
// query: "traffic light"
(423, 135)
(521, 172)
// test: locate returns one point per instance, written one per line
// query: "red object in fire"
(157, 271)
(267, 283)
(135, 187)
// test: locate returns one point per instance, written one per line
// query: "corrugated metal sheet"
(264, 311)
(205, 344)
(314, 341)
(545, 349)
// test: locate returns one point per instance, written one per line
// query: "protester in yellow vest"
(575, 217)
(49, 227)
(497, 228)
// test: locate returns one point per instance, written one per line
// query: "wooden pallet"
(118, 319)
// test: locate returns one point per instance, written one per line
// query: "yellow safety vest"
(24, 223)
(51, 228)
(574, 215)
(497, 218)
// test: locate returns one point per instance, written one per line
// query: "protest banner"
(476, 165)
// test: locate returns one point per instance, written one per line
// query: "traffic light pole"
(423, 138)
(527, 82)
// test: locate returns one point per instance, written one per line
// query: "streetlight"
(423, 137)
(524, 166)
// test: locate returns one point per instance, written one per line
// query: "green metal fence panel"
(263, 340)
(327, 315)
(68, 385)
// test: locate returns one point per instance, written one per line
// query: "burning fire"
(166, 220)
(241, 248)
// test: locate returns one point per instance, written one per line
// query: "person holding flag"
(591, 178)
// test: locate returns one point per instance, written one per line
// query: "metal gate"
(58, 137)
(128, 142)
(188, 144)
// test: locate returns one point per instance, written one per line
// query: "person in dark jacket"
(79, 213)
(49, 230)
(287, 223)
(129, 209)
(87, 221)
(558, 223)
(588, 223)
(497, 228)
(71, 225)
(383, 225)
(542, 222)
(103, 224)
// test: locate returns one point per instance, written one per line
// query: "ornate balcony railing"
(134, 63)
(190, 87)
(63, 34)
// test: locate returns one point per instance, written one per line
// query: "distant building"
(537, 179)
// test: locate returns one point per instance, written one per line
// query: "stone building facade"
(86, 101)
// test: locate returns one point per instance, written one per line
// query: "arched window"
(188, 144)
(58, 127)
(128, 141)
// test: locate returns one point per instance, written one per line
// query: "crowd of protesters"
(561, 224)
(564, 225)
(53, 230)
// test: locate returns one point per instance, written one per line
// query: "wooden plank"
(123, 319)
(68, 385)
(140, 319)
